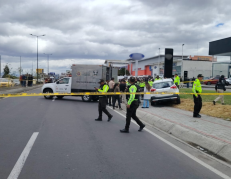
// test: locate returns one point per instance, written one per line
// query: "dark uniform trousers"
(110, 97)
(131, 113)
(102, 107)
(197, 105)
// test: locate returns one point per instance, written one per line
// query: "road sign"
(136, 56)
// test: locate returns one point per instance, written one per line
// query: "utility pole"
(159, 63)
(0, 66)
(182, 70)
(20, 67)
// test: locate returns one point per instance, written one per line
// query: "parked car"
(213, 81)
(205, 79)
(16, 82)
(6, 82)
(229, 81)
(164, 85)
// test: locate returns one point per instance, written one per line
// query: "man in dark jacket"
(220, 88)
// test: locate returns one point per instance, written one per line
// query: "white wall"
(197, 67)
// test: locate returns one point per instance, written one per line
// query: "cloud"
(93, 30)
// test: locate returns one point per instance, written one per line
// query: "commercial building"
(191, 65)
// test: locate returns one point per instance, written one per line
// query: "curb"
(218, 147)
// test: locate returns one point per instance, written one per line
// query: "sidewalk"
(211, 133)
(19, 89)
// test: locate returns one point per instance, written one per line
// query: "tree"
(6, 71)
(121, 72)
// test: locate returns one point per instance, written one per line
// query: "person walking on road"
(177, 80)
(132, 107)
(122, 89)
(111, 89)
(197, 98)
(116, 97)
(147, 97)
(220, 88)
(103, 101)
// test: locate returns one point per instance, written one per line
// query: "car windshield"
(165, 84)
(4, 80)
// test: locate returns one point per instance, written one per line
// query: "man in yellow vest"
(157, 78)
(197, 89)
(177, 81)
(150, 82)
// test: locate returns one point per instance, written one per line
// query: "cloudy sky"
(89, 31)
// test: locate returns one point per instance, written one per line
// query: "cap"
(200, 75)
(132, 79)
(101, 80)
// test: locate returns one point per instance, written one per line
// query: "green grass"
(205, 98)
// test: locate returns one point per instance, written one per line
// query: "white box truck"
(84, 79)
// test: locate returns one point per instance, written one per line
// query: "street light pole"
(159, 63)
(48, 56)
(182, 61)
(37, 51)
(0, 66)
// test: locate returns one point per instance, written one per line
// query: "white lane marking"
(182, 151)
(22, 159)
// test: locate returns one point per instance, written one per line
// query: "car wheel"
(86, 98)
(208, 83)
(48, 91)
(60, 97)
(178, 100)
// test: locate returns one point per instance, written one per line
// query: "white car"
(228, 80)
(166, 86)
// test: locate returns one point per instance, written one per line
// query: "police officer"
(157, 78)
(197, 98)
(103, 101)
(177, 80)
(132, 107)
(150, 82)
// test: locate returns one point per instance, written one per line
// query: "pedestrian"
(220, 88)
(111, 89)
(157, 78)
(177, 80)
(147, 97)
(103, 101)
(150, 82)
(116, 97)
(197, 89)
(142, 85)
(132, 107)
(122, 90)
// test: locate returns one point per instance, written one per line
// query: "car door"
(63, 86)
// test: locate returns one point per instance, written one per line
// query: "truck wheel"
(178, 100)
(48, 91)
(86, 98)
(60, 97)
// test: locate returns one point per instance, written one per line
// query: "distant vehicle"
(16, 82)
(164, 85)
(229, 81)
(6, 82)
(213, 81)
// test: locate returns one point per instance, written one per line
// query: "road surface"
(46, 139)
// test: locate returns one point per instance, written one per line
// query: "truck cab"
(61, 86)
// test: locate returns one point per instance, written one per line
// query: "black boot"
(141, 128)
(124, 131)
(109, 118)
(98, 119)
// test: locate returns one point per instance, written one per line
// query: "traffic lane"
(19, 118)
(72, 145)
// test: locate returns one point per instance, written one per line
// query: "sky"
(90, 31)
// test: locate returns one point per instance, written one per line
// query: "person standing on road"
(103, 101)
(157, 78)
(122, 89)
(132, 107)
(177, 80)
(220, 88)
(111, 89)
(197, 98)
(150, 82)
(147, 97)
(116, 97)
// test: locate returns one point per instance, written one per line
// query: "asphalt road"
(70, 144)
